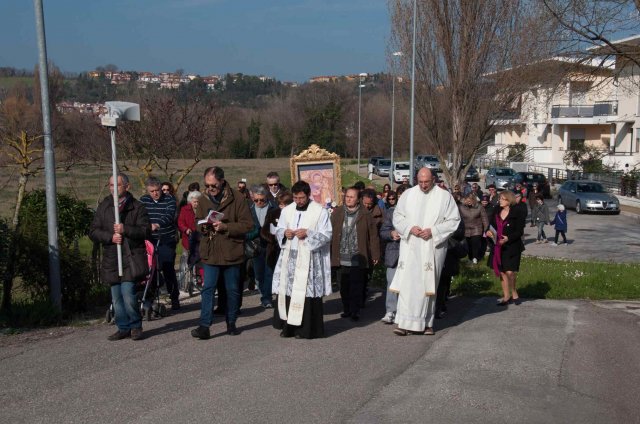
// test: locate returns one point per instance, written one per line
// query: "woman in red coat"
(187, 218)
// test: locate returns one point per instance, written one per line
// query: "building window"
(576, 138)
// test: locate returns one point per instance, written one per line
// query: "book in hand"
(213, 216)
(494, 233)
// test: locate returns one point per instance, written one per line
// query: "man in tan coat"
(221, 246)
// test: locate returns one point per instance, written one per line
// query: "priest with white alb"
(425, 217)
(303, 272)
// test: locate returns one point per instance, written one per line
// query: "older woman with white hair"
(187, 218)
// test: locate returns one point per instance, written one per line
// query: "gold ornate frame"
(314, 161)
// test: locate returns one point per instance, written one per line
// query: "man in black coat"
(131, 233)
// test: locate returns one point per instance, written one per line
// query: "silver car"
(382, 167)
(588, 196)
(428, 161)
(499, 177)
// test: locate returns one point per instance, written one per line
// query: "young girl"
(540, 217)
(560, 222)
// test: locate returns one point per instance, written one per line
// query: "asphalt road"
(542, 361)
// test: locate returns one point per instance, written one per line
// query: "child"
(560, 222)
(540, 217)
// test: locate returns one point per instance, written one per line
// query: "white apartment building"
(588, 107)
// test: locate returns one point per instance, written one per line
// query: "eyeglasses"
(210, 186)
(165, 190)
(391, 198)
(274, 185)
(260, 200)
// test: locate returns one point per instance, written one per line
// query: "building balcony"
(608, 108)
(597, 113)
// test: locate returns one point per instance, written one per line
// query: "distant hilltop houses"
(171, 80)
(334, 78)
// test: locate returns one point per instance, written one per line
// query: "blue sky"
(291, 40)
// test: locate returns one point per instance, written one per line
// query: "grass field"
(10, 82)
(88, 182)
(555, 279)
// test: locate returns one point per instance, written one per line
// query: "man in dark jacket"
(355, 246)
(161, 208)
(131, 233)
(274, 187)
(221, 247)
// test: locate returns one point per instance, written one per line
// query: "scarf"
(497, 249)
(349, 238)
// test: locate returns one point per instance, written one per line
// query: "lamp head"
(120, 111)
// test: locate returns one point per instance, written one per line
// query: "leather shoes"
(399, 332)
(136, 333)
(119, 335)
(345, 315)
(285, 335)
(429, 331)
(201, 333)
(355, 317)
(232, 330)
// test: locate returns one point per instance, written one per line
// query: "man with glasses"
(426, 216)
(161, 208)
(221, 247)
(263, 274)
(274, 187)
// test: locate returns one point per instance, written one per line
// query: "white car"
(401, 170)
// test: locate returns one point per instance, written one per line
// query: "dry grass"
(88, 182)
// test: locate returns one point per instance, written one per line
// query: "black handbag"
(252, 248)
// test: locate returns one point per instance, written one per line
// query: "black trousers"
(166, 261)
(352, 283)
(475, 247)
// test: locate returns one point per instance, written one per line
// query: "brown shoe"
(399, 332)
(136, 333)
(429, 331)
(119, 335)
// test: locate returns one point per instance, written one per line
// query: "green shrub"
(32, 261)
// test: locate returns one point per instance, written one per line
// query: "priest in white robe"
(425, 217)
(302, 275)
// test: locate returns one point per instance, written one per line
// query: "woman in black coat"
(506, 231)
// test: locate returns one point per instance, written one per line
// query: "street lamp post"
(393, 116)
(413, 94)
(363, 75)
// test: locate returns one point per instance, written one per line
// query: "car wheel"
(578, 207)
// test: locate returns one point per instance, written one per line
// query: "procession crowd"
(294, 250)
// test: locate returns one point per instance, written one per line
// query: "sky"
(291, 40)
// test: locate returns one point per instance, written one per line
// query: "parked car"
(372, 163)
(528, 178)
(588, 196)
(472, 174)
(382, 167)
(400, 171)
(428, 161)
(499, 177)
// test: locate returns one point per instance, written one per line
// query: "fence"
(616, 182)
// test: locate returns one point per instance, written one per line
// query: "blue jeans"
(125, 306)
(211, 273)
(264, 277)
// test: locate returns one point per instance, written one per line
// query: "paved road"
(543, 361)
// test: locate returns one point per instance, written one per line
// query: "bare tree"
(462, 50)
(595, 23)
(169, 129)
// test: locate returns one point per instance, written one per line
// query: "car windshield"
(384, 163)
(430, 159)
(402, 166)
(590, 188)
(504, 172)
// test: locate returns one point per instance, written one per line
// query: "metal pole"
(393, 116)
(413, 95)
(359, 115)
(116, 210)
(49, 163)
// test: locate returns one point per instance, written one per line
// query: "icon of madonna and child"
(321, 179)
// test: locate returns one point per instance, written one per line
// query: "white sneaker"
(388, 318)
(475, 261)
(553, 243)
